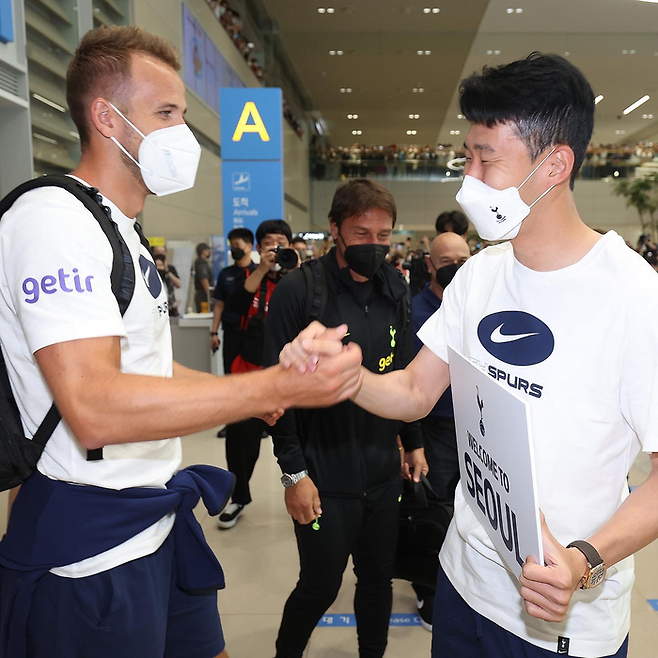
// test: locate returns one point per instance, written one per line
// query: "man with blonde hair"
(103, 555)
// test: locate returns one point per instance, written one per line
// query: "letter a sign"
(251, 124)
(250, 111)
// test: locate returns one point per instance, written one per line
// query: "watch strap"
(591, 554)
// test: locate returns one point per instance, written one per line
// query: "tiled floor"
(260, 560)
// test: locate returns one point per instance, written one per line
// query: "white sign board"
(496, 461)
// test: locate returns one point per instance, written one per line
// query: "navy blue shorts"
(132, 611)
(457, 630)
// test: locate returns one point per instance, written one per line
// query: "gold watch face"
(596, 577)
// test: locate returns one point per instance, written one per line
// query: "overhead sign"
(496, 461)
(6, 21)
(252, 156)
(252, 125)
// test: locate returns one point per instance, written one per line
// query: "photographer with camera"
(250, 300)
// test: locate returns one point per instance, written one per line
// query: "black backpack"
(424, 521)
(18, 454)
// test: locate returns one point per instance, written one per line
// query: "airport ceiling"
(614, 42)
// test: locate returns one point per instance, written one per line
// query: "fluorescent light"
(49, 102)
(637, 104)
(653, 1)
(43, 138)
(598, 99)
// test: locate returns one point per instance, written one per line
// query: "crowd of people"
(232, 22)
(422, 160)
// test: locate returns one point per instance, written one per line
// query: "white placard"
(496, 461)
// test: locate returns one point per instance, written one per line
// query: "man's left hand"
(413, 464)
(547, 590)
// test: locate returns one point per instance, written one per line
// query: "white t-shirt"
(589, 369)
(55, 287)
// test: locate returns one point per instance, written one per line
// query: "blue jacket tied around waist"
(54, 524)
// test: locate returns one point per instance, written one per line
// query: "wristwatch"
(213, 333)
(595, 573)
(288, 480)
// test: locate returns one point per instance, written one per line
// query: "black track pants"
(365, 528)
(242, 450)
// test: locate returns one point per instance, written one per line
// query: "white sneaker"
(229, 517)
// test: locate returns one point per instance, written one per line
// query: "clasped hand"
(547, 590)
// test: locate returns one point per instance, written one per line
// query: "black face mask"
(365, 259)
(444, 275)
(237, 253)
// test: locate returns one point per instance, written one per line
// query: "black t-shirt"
(224, 287)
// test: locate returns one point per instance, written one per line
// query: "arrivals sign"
(496, 461)
(252, 156)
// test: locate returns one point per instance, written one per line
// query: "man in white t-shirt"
(117, 388)
(567, 318)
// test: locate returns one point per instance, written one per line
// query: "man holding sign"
(566, 319)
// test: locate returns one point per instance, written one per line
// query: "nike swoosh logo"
(145, 276)
(497, 337)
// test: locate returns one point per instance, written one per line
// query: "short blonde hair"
(101, 66)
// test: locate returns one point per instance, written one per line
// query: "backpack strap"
(316, 289)
(123, 271)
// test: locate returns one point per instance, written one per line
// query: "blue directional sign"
(251, 122)
(252, 156)
(252, 193)
(6, 21)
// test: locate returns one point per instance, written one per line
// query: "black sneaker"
(229, 517)
(426, 612)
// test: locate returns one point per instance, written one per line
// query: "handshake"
(318, 370)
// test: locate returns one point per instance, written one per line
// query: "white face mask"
(168, 157)
(496, 214)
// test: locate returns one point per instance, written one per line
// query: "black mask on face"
(365, 259)
(444, 275)
(237, 253)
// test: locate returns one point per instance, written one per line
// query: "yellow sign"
(156, 242)
(250, 111)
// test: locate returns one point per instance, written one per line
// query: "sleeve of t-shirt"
(57, 264)
(639, 382)
(444, 327)
(221, 292)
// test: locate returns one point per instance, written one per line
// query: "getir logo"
(250, 112)
(50, 284)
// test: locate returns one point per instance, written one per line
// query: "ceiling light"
(620, 132)
(428, 52)
(654, 1)
(435, 10)
(496, 52)
(448, 174)
(454, 132)
(332, 52)
(427, 10)
(567, 53)
(339, 52)
(321, 10)
(616, 174)
(637, 104)
(330, 10)
(647, 116)
(352, 116)
(43, 138)
(519, 10)
(598, 99)
(510, 10)
(48, 102)
(460, 116)
(343, 90)
(419, 52)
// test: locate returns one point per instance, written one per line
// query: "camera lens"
(287, 258)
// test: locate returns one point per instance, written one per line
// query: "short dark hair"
(452, 221)
(273, 227)
(299, 238)
(241, 233)
(357, 196)
(545, 97)
(201, 247)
